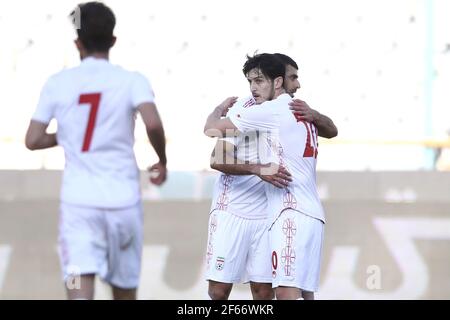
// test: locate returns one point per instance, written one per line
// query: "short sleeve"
(141, 91)
(45, 110)
(239, 105)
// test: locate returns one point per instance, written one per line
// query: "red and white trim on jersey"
(222, 201)
(210, 247)
(250, 102)
(288, 252)
(289, 200)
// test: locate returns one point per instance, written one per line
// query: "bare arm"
(217, 127)
(155, 133)
(38, 138)
(324, 124)
(223, 159)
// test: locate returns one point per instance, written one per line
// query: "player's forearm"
(158, 141)
(45, 141)
(211, 129)
(223, 159)
(236, 169)
(325, 126)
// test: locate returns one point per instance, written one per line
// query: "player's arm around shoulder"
(156, 135)
(224, 159)
(303, 112)
(215, 126)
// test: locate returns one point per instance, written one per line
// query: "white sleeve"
(141, 91)
(238, 106)
(45, 109)
(263, 117)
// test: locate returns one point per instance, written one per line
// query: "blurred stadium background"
(379, 69)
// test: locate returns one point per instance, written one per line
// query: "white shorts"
(238, 249)
(296, 242)
(106, 242)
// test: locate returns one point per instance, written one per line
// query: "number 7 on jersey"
(93, 99)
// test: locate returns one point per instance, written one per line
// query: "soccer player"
(94, 104)
(303, 112)
(296, 214)
(238, 238)
(238, 245)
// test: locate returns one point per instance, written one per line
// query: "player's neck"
(278, 92)
(97, 55)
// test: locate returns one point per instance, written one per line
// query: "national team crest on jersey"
(220, 262)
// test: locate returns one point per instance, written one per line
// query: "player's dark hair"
(270, 66)
(95, 27)
(286, 60)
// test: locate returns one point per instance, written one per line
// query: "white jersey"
(292, 144)
(94, 105)
(241, 195)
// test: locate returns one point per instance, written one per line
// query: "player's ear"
(79, 45)
(278, 82)
(113, 41)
